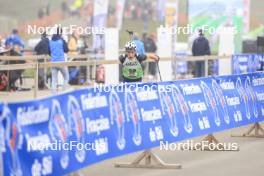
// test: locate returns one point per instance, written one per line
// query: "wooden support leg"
(258, 132)
(152, 161)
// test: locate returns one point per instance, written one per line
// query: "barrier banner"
(246, 63)
(61, 134)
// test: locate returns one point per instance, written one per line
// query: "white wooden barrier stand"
(258, 132)
(152, 161)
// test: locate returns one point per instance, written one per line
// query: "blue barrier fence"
(241, 64)
(247, 63)
(61, 134)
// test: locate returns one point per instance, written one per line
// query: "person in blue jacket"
(58, 48)
(140, 48)
(14, 42)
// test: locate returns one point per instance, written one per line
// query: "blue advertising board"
(61, 134)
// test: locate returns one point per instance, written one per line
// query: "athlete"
(131, 63)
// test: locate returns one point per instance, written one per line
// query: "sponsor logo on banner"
(169, 110)
(210, 101)
(117, 119)
(132, 113)
(243, 96)
(190, 90)
(182, 106)
(156, 134)
(203, 123)
(59, 131)
(220, 99)
(146, 95)
(42, 168)
(151, 115)
(251, 94)
(76, 125)
(30, 116)
(97, 125)
(12, 137)
(258, 81)
(101, 146)
(89, 102)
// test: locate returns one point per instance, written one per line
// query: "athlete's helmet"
(130, 46)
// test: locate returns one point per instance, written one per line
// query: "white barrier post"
(164, 44)
(111, 53)
(226, 47)
(36, 79)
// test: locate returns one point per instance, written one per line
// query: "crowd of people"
(143, 10)
(57, 48)
(13, 45)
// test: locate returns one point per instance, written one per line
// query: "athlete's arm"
(122, 58)
(153, 56)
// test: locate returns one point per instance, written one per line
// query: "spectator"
(42, 48)
(140, 45)
(150, 47)
(73, 44)
(58, 48)
(65, 8)
(2, 42)
(41, 13)
(16, 46)
(47, 8)
(13, 75)
(200, 47)
(73, 50)
(145, 17)
(82, 45)
(14, 42)
(76, 7)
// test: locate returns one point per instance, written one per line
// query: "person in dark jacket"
(150, 47)
(200, 47)
(42, 48)
(58, 48)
